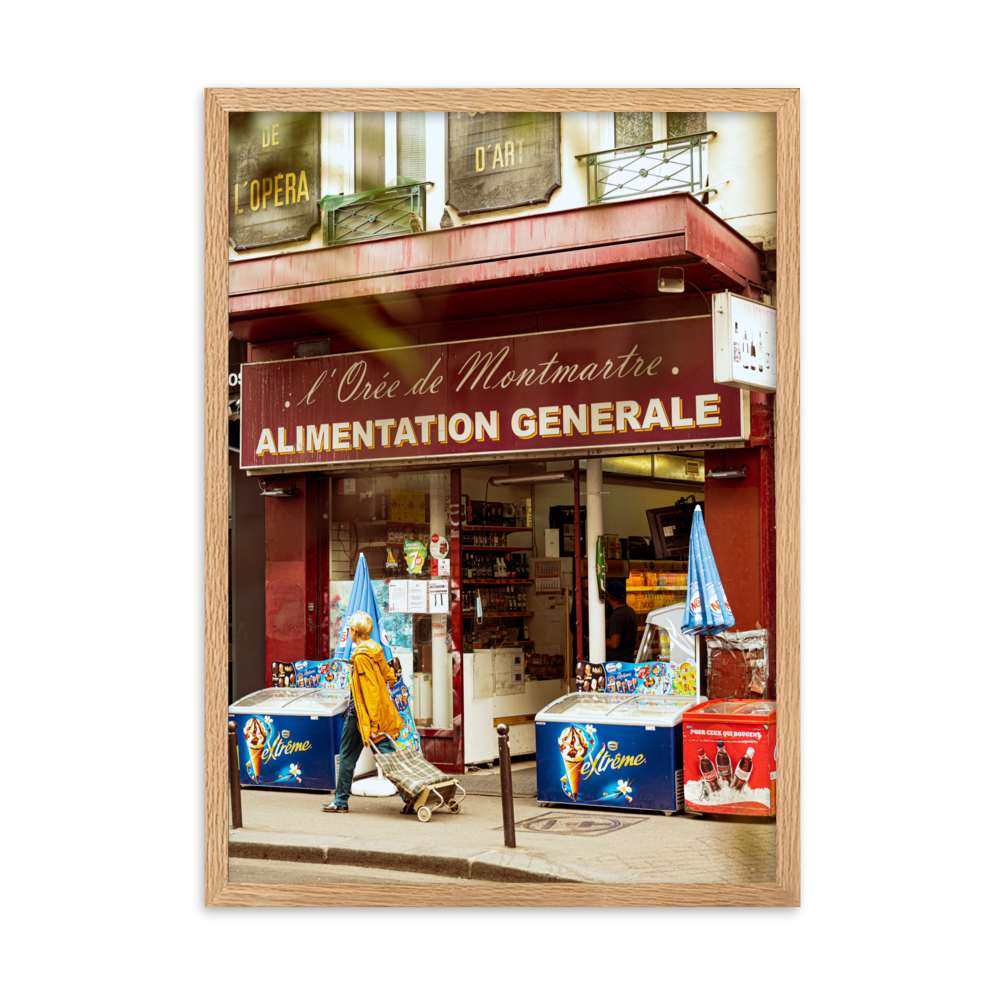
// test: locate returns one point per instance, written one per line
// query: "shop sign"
(637, 385)
(273, 177)
(501, 159)
(745, 334)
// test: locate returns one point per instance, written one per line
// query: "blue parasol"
(707, 611)
(362, 599)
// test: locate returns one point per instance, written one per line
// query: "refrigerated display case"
(730, 757)
(611, 750)
(289, 737)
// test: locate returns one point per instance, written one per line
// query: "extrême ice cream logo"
(264, 743)
(576, 746)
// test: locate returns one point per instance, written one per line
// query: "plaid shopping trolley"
(426, 788)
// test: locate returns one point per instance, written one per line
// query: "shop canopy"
(583, 257)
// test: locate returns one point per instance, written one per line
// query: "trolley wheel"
(455, 807)
(423, 814)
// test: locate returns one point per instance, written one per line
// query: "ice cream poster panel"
(729, 767)
(287, 751)
(625, 767)
(667, 678)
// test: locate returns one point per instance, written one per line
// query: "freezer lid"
(683, 648)
(624, 709)
(741, 708)
(292, 701)
(757, 708)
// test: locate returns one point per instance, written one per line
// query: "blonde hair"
(361, 623)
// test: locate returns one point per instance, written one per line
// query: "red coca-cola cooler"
(730, 757)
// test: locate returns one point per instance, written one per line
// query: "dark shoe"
(332, 807)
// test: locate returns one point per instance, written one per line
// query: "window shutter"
(411, 144)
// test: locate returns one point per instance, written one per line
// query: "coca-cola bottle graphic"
(743, 769)
(723, 764)
(708, 773)
(736, 343)
(753, 354)
(746, 351)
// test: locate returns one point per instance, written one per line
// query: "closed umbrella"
(707, 611)
(363, 599)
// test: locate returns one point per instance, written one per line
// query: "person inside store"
(371, 715)
(586, 620)
(622, 627)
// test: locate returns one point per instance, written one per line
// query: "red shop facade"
(512, 341)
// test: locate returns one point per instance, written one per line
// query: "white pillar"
(441, 669)
(595, 527)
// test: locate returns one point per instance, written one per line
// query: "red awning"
(582, 256)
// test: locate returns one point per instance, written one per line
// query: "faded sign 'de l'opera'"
(501, 159)
(273, 177)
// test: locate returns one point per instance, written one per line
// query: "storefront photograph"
(505, 498)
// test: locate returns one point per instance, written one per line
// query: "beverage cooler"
(612, 750)
(289, 737)
(730, 757)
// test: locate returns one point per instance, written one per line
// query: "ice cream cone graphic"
(255, 753)
(256, 737)
(573, 747)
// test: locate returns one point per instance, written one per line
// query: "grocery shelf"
(635, 590)
(506, 614)
(496, 548)
(524, 583)
(401, 524)
(492, 527)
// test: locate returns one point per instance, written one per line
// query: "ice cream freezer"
(614, 750)
(289, 737)
(730, 757)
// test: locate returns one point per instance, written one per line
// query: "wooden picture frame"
(218, 891)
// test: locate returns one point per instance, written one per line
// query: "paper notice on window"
(438, 593)
(398, 600)
(416, 598)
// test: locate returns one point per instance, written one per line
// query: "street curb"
(505, 865)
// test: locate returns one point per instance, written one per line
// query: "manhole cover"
(588, 825)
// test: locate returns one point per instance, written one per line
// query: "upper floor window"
(633, 128)
(411, 144)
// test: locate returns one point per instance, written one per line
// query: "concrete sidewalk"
(562, 844)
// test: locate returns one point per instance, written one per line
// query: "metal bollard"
(234, 778)
(506, 787)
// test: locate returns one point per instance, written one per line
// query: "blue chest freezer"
(289, 737)
(612, 750)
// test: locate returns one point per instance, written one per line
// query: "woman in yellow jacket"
(371, 714)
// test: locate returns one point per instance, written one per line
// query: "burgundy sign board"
(615, 387)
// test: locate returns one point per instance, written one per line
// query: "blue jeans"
(351, 746)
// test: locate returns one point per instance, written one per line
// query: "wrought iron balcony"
(659, 167)
(369, 215)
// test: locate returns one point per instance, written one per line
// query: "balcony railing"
(369, 215)
(659, 167)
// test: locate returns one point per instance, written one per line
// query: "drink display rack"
(504, 597)
(644, 599)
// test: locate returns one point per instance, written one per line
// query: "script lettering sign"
(634, 385)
